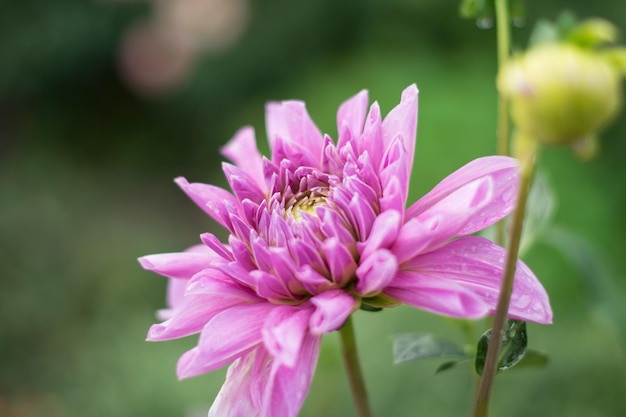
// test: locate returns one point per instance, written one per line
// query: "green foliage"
(513, 347)
(412, 346)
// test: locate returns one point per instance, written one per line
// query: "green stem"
(351, 359)
(504, 46)
(481, 406)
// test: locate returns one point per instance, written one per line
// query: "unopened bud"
(561, 93)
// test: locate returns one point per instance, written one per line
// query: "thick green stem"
(481, 406)
(504, 45)
(351, 359)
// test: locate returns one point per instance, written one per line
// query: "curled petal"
(401, 122)
(215, 201)
(477, 264)
(376, 272)
(180, 265)
(243, 185)
(500, 172)
(333, 308)
(383, 234)
(243, 152)
(340, 261)
(291, 132)
(352, 115)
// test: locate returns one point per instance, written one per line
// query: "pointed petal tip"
(410, 92)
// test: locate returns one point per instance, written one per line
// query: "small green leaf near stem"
(353, 369)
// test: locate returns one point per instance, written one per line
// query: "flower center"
(306, 201)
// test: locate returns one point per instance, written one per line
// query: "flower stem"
(353, 368)
(481, 405)
(504, 45)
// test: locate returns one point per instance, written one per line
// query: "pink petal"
(284, 331)
(333, 308)
(394, 177)
(180, 265)
(215, 201)
(242, 150)
(237, 396)
(229, 335)
(287, 387)
(243, 185)
(341, 263)
(375, 272)
(206, 294)
(500, 172)
(401, 122)
(290, 131)
(372, 137)
(477, 264)
(190, 318)
(415, 236)
(175, 297)
(435, 295)
(351, 114)
(383, 234)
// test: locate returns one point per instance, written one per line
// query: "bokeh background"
(104, 102)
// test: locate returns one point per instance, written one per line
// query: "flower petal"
(287, 387)
(401, 122)
(242, 150)
(215, 201)
(352, 114)
(179, 265)
(477, 264)
(383, 234)
(376, 272)
(453, 215)
(245, 376)
(284, 331)
(243, 185)
(333, 308)
(435, 295)
(229, 335)
(502, 173)
(291, 132)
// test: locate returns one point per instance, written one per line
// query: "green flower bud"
(560, 93)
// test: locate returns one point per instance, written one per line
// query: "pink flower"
(316, 232)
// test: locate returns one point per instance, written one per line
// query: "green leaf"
(411, 346)
(450, 364)
(533, 359)
(513, 347)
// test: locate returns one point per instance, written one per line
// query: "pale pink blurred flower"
(319, 230)
(158, 54)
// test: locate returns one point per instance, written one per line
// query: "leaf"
(533, 359)
(411, 346)
(539, 212)
(513, 347)
(450, 364)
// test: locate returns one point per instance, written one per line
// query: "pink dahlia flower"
(319, 230)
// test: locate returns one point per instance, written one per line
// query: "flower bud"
(560, 93)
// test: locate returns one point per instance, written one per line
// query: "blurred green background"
(103, 103)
